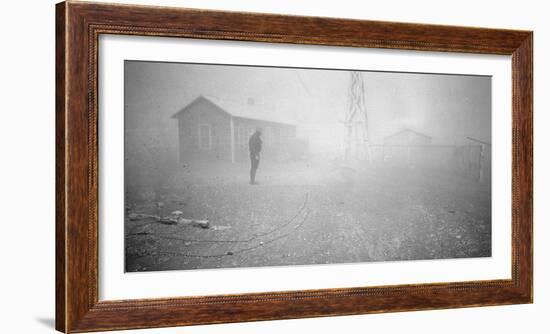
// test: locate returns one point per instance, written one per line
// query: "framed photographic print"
(222, 167)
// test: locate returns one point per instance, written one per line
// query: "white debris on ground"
(174, 218)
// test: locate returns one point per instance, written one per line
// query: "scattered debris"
(140, 216)
(196, 223)
(220, 227)
(174, 218)
(168, 220)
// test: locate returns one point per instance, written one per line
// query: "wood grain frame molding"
(78, 27)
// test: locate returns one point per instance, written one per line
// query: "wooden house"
(216, 129)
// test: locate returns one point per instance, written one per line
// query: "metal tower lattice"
(356, 121)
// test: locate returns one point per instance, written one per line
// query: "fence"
(471, 161)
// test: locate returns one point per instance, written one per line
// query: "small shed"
(406, 147)
(408, 137)
(217, 129)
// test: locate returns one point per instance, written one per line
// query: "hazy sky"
(446, 107)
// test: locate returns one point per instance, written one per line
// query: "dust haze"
(355, 166)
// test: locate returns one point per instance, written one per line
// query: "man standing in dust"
(255, 147)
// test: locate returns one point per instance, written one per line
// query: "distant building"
(408, 137)
(406, 147)
(215, 129)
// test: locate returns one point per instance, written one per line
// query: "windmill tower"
(356, 122)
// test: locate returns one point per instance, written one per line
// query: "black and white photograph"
(234, 166)
(237, 166)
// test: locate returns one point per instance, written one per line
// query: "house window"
(205, 136)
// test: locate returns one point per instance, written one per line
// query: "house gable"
(200, 100)
(407, 137)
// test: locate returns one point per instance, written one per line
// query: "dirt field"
(308, 213)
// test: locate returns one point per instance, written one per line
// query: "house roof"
(410, 131)
(254, 111)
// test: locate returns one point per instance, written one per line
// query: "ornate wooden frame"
(78, 25)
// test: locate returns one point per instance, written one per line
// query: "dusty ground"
(305, 213)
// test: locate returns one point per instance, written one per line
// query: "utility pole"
(356, 121)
